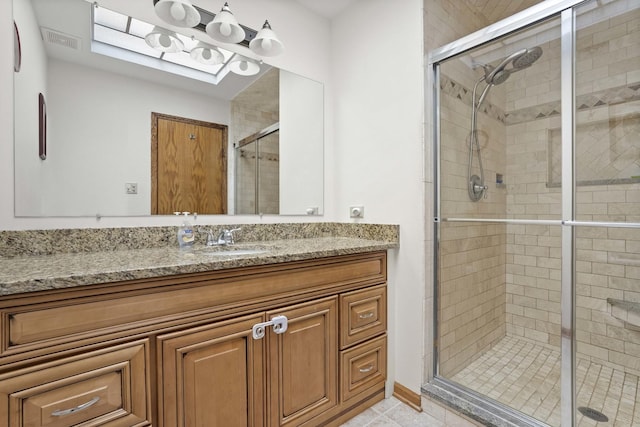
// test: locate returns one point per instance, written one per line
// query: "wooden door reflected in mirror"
(188, 166)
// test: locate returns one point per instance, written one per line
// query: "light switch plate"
(131, 188)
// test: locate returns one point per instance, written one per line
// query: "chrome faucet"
(226, 237)
(211, 239)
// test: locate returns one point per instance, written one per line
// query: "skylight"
(115, 30)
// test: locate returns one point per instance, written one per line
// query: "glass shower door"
(500, 222)
(246, 175)
(607, 170)
(269, 174)
(538, 217)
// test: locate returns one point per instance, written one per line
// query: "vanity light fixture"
(180, 13)
(207, 54)
(225, 28)
(244, 66)
(222, 27)
(266, 43)
(164, 40)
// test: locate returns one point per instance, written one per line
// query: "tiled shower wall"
(251, 111)
(608, 157)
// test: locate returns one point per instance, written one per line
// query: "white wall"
(378, 159)
(30, 82)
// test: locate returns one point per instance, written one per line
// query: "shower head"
(526, 59)
(496, 76)
(519, 60)
(500, 74)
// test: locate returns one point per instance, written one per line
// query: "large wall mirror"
(102, 112)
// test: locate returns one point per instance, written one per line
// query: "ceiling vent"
(62, 39)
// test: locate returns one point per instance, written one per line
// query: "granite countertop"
(31, 273)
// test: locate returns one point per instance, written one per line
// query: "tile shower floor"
(526, 376)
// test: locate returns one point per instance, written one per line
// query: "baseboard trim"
(407, 396)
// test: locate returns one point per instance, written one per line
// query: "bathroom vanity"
(270, 339)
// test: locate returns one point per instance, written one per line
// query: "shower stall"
(258, 172)
(537, 217)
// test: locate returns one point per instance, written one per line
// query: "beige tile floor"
(393, 413)
(526, 376)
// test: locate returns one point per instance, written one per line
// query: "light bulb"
(244, 65)
(164, 40)
(266, 44)
(225, 29)
(177, 11)
(206, 54)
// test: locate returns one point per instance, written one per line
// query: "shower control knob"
(477, 188)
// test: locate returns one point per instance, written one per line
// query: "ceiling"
(495, 10)
(326, 8)
(491, 10)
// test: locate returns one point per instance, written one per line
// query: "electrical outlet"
(131, 188)
(356, 212)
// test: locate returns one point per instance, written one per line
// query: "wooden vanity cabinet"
(192, 355)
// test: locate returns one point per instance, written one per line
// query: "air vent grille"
(61, 39)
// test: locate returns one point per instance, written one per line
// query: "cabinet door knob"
(78, 408)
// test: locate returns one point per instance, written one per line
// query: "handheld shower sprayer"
(493, 75)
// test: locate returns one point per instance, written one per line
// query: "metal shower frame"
(564, 9)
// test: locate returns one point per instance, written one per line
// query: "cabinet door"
(303, 363)
(212, 376)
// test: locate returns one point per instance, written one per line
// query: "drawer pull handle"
(369, 368)
(367, 315)
(78, 408)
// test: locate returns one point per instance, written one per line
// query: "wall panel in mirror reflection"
(99, 113)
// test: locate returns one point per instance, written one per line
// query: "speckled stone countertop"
(40, 270)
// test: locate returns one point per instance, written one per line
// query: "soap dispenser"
(186, 236)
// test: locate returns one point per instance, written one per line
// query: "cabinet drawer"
(363, 314)
(103, 388)
(363, 366)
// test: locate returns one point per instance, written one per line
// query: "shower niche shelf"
(628, 312)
